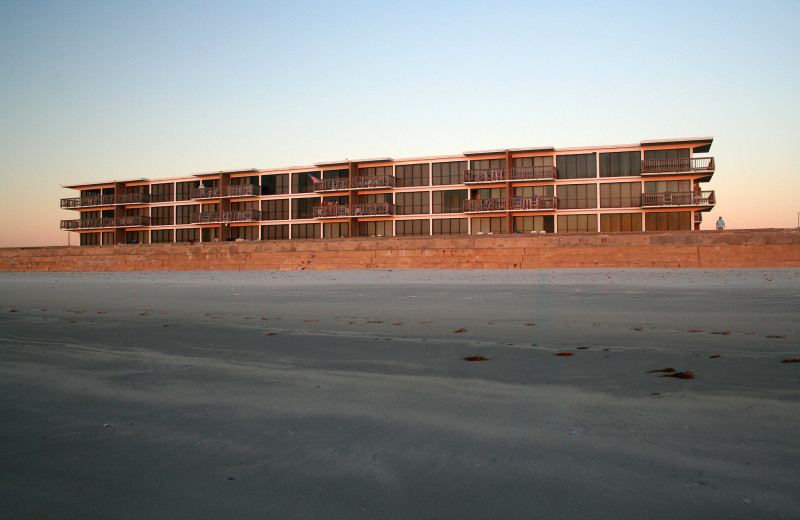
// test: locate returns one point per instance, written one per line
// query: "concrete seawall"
(697, 249)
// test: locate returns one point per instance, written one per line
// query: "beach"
(345, 394)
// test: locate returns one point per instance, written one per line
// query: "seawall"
(696, 249)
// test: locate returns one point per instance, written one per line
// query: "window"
(487, 164)
(450, 201)
(528, 162)
(275, 209)
(667, 186)
(412, 228)
(275, 184)
(381, 228)
(245, 205)
(303, 208)
(574, 196)
(614, 222)
(620, 164)
(450, 226)
(412, 175)
(279, 232)
(302, 183)
(412, 203)
(530, 191)
(674, 153)
(375, 171)
(577, 166)
(335, 229)
(488, 225)
(668, 221)
(577, 223)
(162, 192)
(136, 237)
(107, 238)
(621, 195)
(187, 235)
(244, 232)
(183, 214)
(305, 231)
(537, 223)
(161, 236)
(90, 239)
(489, 193)
(183, 190)
(375, 198)
(162, 216)
(449, 173)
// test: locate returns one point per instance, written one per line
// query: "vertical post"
(509, 219)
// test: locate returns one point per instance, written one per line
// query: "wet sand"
(344, 394)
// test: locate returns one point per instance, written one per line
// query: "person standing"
(720, 224)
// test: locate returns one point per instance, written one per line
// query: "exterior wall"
(563, 189)
(704, 249)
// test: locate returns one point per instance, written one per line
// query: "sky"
(96, 90)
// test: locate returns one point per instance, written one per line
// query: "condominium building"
(650, 186)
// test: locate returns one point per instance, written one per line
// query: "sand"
(344, 394)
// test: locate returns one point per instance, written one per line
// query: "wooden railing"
(247, 215)
(686, 165)
(332, 185)
(332, 210)
(206, 217)
(490, 175)
(484, 205)
(377, 181)
(536, 202)
(87, 202)
(682, 198)
(533, 173)
(105, 222)
(372, 210)
(133, 198)
(133, 221)
(241, 190)
(204, 193)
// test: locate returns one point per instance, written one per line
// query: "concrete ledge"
(699, 249)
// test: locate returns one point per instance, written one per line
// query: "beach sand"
(344, 394)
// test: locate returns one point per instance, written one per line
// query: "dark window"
(667, 186)
(187, 235)
(487, 164)
(536, 223)
(375, 171)
(412, 203)
(412, 228)
(575, 196)
(380, 228)
(450, 226)
(303, 208)
(305, 231)
(90, 239)
(488, 225)
(244, 232)
(375, 198)
(412, 175)
(527, 162)
(161, 216)
(302, 183)
(275, 184)
(450, 201)
(674, 153)
(620, 164)
(614, 222)
(275, 209)
(183, 214)
(668, 221)
(488, 193)
(335, 229)
(621, 195)
(449, 173)
(161, 236)
(530, 191)
(244, 205)
(162, 192)
(336, 174)
(136, 237)
(279, 232)
(107, 238)
(578, 166)
(183, 190)
(577, 223)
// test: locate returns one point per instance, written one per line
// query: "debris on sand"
(715, 356)
(459, 331)
(680, 375)
(637, 328)
(476, 358)
(722, 333)
(564, 354)
(777, 337)
(791, 360)
(669, 369)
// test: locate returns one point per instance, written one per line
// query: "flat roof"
(104, 183)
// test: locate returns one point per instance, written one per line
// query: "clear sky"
(99, 90)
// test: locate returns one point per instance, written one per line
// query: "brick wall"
(708, 249)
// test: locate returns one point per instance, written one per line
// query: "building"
(650, 186)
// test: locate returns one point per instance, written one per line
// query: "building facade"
(650, 186)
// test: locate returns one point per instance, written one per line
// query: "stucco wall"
(710, 249)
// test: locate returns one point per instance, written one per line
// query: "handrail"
(681, 198)
(247, 215)
(533, 173)
(684, 165)
(377, 181)
(332, 184)
(484, 205)
(87, 202)
(374, 209)
(133, 198)
(536, 202)
(488, 175)
(331, 211)
(204, 193)
(241, 190)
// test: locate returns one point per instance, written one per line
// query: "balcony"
(683, 198)
(686, 165)
(204, 193)
(535, 203)
(378, 209)
(484, 205)
(87, 202)
(372, 183)
(133, 198)
(242, 190)
(105, 222)
(698, 217)
(133, 221)
(491, 175)
(216, 217)
(533, 173)
(332, 210)
(332, 185)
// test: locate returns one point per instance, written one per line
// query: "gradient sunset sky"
(94, 91)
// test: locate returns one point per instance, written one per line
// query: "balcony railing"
(205, 217)
(375, 182)
(535, 203)
(204, 193)
(241, 190)
(105, 222)
(372, 210)
(248, 215)
(683, 198)
(332, 185)
(87, 202)
(698, 217)
(332, 210)
(133, 198)
(686, 165)
(491, 175)
(484, 205)
(533, 173)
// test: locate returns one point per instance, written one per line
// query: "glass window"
(450, 226)
(575, 196)
(620, 164)
(90, 239)
(450, 201)
(335, 229)
(535, 223)
(187, 235)
(667, 186)
(161, 236)
(614, 222)
(412, 203)
(528, 162)
(279, 232)
(487, 225)
(375, 171)
(577, 166)
(412, 227)
(161, 216)
(621, 195)
(487, 164)
(668, 221)
(529, 191)
(244, 232)
(380, 228)
(275, 184)
(303, 208)
(673, 153)
(183, 214)
(275, 209)
(183, 190)
(162, 192)
(577, 223)
(412, 175)
(305, 231)
(448, 173)
(302, 182)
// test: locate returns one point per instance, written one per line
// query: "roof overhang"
(698, 144)
(220, 172)
(87, 185)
